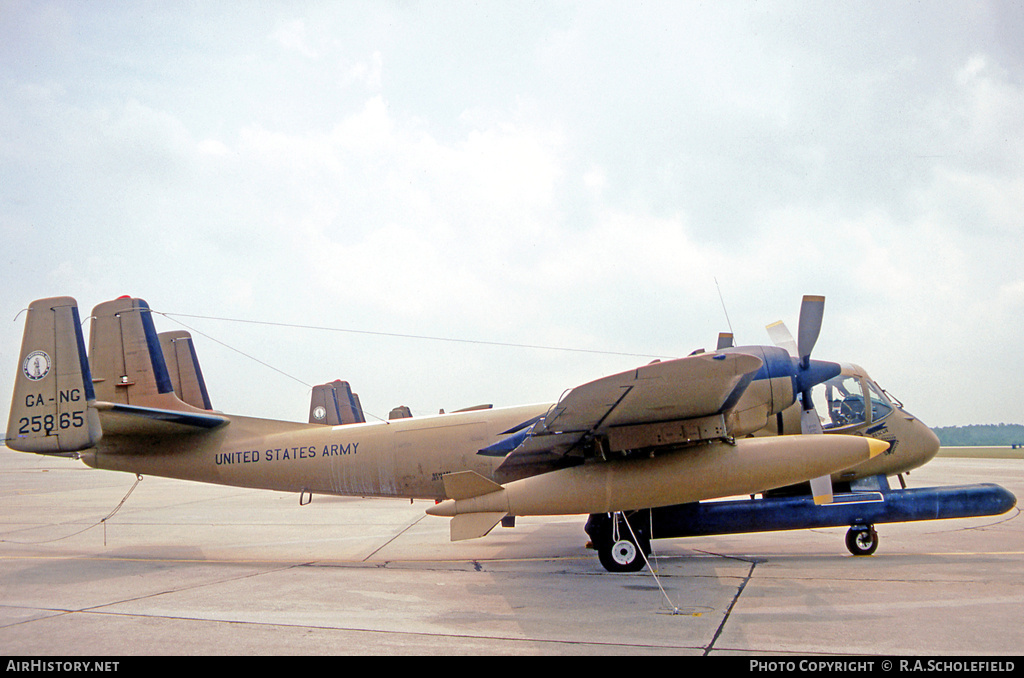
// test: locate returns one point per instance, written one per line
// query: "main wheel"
(618, 549)
(862, 541)
(621, 556)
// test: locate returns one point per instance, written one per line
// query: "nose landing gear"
(862, 540)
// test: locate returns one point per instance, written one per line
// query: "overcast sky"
(558, 174)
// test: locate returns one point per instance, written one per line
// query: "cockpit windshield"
(848, 403)
(880, 407)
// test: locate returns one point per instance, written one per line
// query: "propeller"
(780, 336)
(808, 374)
(812, 310)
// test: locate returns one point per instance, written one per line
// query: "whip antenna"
(724, 310)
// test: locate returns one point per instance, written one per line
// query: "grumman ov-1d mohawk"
(639, 451)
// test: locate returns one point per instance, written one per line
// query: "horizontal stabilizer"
(121, 419)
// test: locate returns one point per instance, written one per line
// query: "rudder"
(51, 409)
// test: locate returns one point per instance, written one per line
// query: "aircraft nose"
(932, 443)
(925, 442)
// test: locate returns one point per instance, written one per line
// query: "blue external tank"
(856, 510)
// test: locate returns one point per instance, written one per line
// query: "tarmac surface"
(191, 569)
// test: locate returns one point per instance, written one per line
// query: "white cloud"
(573, 175)
(213, 147)
(369, 72)
(293, 36)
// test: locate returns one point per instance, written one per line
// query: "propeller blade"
(821, 490)
(809, 422)
(781, 337)
(812, 310)
(808, 372)
(821, 487)
(725, 340)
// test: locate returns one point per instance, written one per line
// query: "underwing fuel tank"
(847, 510)
(717, 469)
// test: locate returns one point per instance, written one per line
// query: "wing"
(664, 403)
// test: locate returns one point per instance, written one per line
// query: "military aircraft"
(662, 437)
(856, 405)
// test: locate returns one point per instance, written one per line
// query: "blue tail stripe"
(199, 375)
(83, 361)
(156, 354)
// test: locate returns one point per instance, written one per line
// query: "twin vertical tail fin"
(133, 365)
(125, 354)
(335, 404)
(64, 400)
(183, 368)
(51, 412)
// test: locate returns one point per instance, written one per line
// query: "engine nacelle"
(774, 387)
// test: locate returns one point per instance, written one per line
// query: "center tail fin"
(125, 355)
(128, 364)
(52, 411)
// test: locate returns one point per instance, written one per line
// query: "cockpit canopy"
(851, 399)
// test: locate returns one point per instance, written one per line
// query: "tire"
(622, 556)
(627, 554)
(862, 541)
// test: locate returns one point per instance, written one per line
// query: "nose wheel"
(862, 540)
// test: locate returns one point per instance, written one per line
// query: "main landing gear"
(862, 540)
(622, 542)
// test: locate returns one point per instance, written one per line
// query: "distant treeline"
(981, 435)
